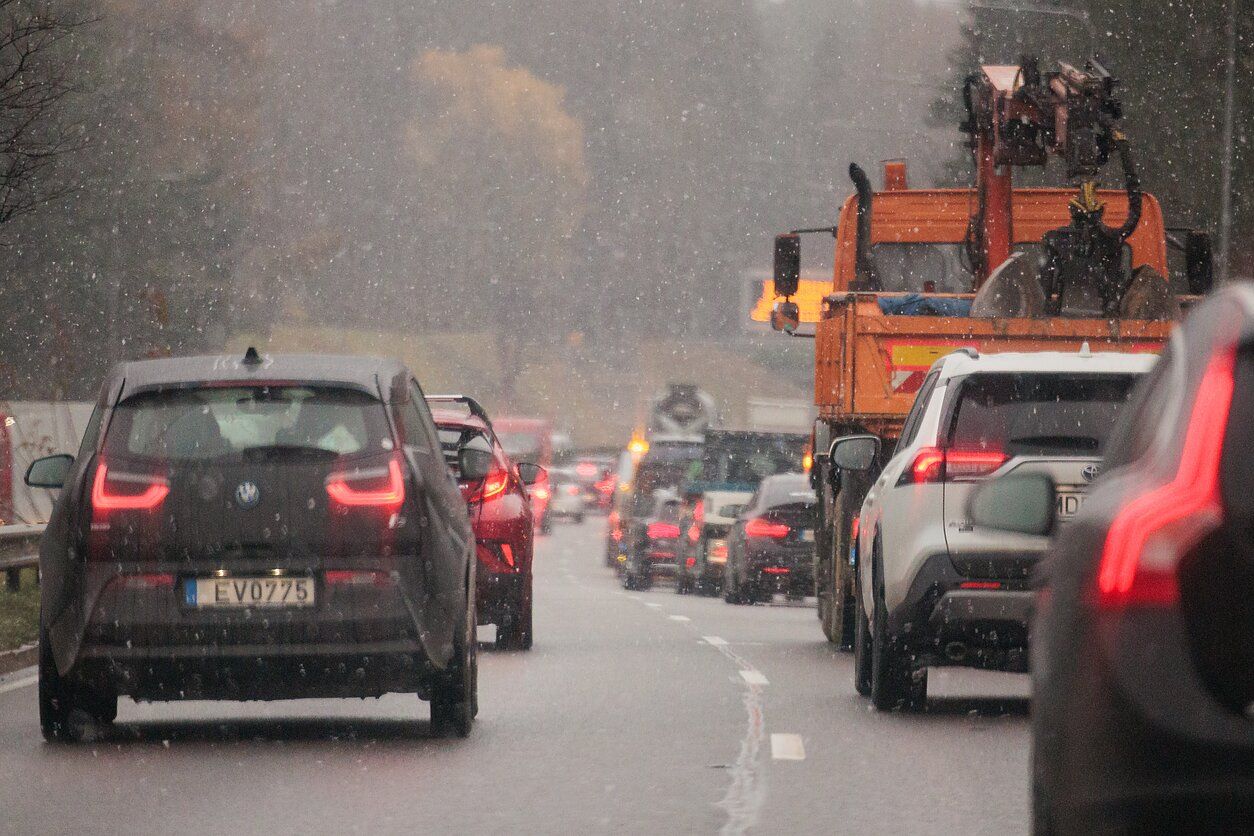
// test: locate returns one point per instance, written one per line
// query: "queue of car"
(275, 527)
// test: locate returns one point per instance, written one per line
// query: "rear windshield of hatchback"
(1038, 414)
(212, 422)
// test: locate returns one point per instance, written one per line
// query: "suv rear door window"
(1038, 414)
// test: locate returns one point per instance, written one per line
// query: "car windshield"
(1038, 414)
(211, 422)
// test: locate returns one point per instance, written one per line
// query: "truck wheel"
(861, 651)
(455, 696)
(894, 684)
(853, 489)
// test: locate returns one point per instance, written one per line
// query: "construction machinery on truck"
(920, 273)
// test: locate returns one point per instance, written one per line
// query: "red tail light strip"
(340, 487)
(1137, 566)
(935, 464)
(760, 527)
(155, 490)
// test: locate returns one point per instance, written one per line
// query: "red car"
(496, 494)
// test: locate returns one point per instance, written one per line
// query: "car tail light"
(147, 580)
(572, 490)
(662, 531)
(690, 562)
(586, 469)
(373, 487)
(698, 519)
(494, 484)
(119, 491)
(1149, 535)
(717, 552)
(541, 493)
(935, 464)
(980, 585)
(776, 570)
(762, 527)
(854, 528)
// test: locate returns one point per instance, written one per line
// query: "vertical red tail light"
(698, 520)
(1152, 532)
(374, 487)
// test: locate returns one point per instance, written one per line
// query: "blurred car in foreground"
(222, 535)
(771, 546)
(1143, 636)
(654, 538)
(733, 463)
(495, 490)
(932, 589)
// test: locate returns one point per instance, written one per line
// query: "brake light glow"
(776, 570)
(698, 520)
(586, 469)
(1152, 532)
(541, 493)
(854, 528)
(762, 527)
(147, 580)
(980, 585)
(141, 492)
(662, 531)
(493, 484)
(935, 464)
(377, 487)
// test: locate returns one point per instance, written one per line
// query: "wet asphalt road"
(634, 713)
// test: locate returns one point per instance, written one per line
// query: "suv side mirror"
(787, 264)
(855, 453)
(473, 465)
(530, 473)
(49, 472)
(1198, 262)
(1023, 504)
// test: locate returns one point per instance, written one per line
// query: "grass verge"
(19, 613)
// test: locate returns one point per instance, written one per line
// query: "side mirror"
(731, 511)
(49, 472)
(855, 453)
(530, 473)
(1023, 504)
(787, 264)
(1199, 265)
(473, 465)
(786, 317)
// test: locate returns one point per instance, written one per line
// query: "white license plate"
(807, 535)
(1069, 503)
(249, 592)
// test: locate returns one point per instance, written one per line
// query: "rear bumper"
(967, 606)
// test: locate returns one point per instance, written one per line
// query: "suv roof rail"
(971, 352)
(472, 405)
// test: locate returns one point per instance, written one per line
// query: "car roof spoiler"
(472, 405)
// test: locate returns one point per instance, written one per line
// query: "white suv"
(931, 588)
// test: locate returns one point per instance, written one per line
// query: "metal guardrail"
(19, 549)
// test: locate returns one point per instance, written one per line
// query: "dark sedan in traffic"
(255, 527)
(771, 545)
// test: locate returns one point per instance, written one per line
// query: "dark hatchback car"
(1143, 639)
(255, 528)
(771, 546)
(495, 490)
(654, 538)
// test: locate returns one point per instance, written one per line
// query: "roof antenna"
(251, 357)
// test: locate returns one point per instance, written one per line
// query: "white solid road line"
(753, 677)
(679, 618)
(715, 641)
(18, 683)
(787, 747)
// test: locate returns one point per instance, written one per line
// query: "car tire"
(65, 711)
(546, 524)
(517, 633)
(862, 651)
(894, 683)
(455, 697)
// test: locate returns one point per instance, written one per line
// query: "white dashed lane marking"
(787, 747)
(651, 604)
(679, 618)
(714, 641)
(753, 677)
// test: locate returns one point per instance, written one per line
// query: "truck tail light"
(936, 464)
(662, 531)
(1150, 535)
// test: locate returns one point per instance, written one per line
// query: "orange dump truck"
(871, 357)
